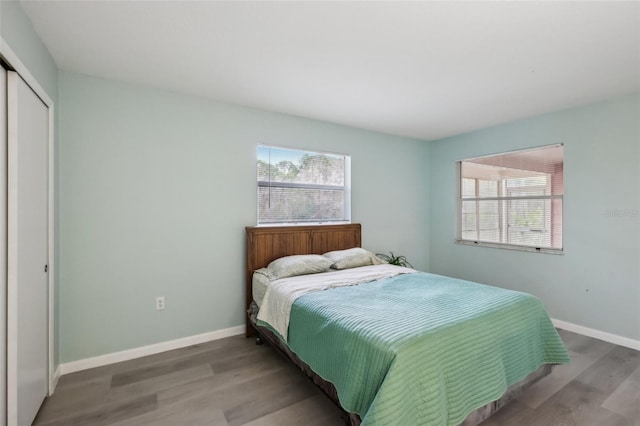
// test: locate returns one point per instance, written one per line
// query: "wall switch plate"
(159, 303)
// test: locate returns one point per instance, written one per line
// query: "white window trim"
(346, 189)
(505, 246)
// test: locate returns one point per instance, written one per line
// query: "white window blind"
(513, 200)
(297, 186)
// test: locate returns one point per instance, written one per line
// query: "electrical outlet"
(159, 303)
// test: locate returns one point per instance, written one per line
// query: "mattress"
(473, 419)
(471, 342)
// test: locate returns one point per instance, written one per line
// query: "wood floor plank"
(611, 370)
(154, 385)
(233, 382)
(159, 369)
(560, 377)
(107, 415)
(515, 413)
(266, 365)
(191, 412)
(230, 345)
(257, 398)
(220, 365)
(314, 411)
(80, 378)
(154, 365)
(77, 398)
(585, 345)
(625, 400)
(576, 404)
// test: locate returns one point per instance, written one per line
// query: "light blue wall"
(156, 189)
(596, 283)
(17, 32)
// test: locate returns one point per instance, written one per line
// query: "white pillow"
(266, 273)
(352, 258)
(291, 266)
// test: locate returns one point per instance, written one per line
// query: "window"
(512, 200)
(302, 186)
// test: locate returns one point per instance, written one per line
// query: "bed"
(397, 372)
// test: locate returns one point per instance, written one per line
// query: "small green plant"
(395, 260)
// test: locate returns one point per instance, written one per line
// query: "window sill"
(267, 225)
(510, 247)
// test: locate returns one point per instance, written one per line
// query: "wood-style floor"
(234, 382)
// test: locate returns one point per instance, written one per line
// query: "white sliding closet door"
(27, 236)
(3, 241)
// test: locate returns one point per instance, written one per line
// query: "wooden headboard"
(265, 244)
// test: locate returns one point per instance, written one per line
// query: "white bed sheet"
(275, 308)
(259, 286)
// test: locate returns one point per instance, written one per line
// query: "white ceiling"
(421, 69)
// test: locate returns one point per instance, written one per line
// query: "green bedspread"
(422, 349)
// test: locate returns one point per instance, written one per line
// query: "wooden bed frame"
(265, 244)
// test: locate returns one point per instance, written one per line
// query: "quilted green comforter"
(421, 349)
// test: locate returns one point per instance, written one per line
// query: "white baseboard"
(597, 334)
(112, 358)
